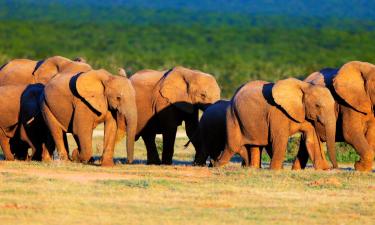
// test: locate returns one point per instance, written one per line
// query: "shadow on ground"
(236, 159)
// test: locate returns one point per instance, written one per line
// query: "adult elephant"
(25, 71)
(353, 87)
(262, 114)
(165, 100)
(77, 103)
(22, 122)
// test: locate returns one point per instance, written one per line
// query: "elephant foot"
(9, 157)
(75, 155)
(153, 162)
(168, 163)
(64, 157)
(363, 166)
(296, 165)
(107, 163)
(46, 157)
(322, 165)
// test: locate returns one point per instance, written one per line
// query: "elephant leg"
(370, 137)
(245, 156)
(353, 132)
(255, 157)
(314, 149)
(48, 146)
(302, 156)
(192, 130)
(46, 157)
(5, 145)
(85, 144)
(152, 151)
(224, 157)
(66, 144)
(36, 149)
(279, 145)
(169, 137)
(110, 128)
(56, 132)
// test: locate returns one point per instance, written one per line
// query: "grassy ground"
(69, 193)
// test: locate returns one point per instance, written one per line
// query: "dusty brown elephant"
(21, 121)
(263, 114)
(25, 71)
(353, 87)
(77, 103)
(165, 100)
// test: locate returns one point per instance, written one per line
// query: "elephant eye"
(118, 97)
(203, 96)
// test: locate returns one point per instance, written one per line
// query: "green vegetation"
(233, 54)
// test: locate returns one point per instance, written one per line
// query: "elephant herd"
(44, 100)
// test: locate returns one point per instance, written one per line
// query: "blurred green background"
(236, 40)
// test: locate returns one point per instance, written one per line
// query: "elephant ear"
(349, 84)
(90, 86)
(174, 88)
(44, 70)
(289, 95)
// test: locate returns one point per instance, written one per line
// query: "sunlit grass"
(72, 193)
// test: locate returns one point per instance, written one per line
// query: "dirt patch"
(82, 177)
(15, 206)
(332, 181)
(171, 173)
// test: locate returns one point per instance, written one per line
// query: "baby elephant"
(262, 114)
(211, 134)
(22, 124)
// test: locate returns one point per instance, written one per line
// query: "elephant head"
(185, 88)
(303, 101)
(103, 91)
(48, 68)
(355, 84)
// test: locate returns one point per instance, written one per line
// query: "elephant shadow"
(236, 159)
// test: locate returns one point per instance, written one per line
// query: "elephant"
(352, 87)
(266, 114)
(26, 71)
(78, 102)
(22, 125)
(167, 98)
(211, 134)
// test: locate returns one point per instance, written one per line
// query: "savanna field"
(236, 42)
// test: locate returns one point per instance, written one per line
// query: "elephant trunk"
(131, 128)
(330, 135)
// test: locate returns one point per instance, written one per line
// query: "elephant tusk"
(30, 120)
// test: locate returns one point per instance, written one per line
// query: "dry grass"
(69, 193)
